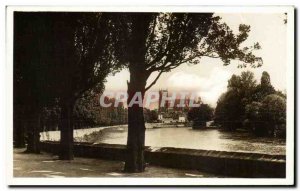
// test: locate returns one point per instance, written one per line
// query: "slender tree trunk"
(136, 127)
(18, 125)
(66, 131)
(33, 143)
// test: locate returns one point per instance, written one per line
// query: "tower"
(165, 106)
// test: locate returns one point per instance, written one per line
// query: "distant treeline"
(88, 113)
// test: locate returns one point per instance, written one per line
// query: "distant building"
(165, 106)
(172, 117)
(160, 117)
(175, 114)
(182, 119)
(168, 120)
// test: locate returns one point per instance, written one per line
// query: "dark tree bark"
(136, 127)
(19, 131)
(19, 136)
(66, 131)
(33, 134)
(178, 38)
(138, 78)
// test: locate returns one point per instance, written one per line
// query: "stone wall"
(235, 164)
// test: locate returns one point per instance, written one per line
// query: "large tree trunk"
(138, 77)
(33, 135)
(66, 131)
(19, 131)
(136, 128)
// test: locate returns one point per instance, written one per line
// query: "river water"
(209, 139)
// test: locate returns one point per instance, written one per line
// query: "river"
(209, 139)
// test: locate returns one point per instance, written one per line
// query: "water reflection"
(209, 139)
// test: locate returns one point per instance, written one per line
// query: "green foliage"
(150, 116)
(59, 57)
(50, 118)
(163, 41)
(267, 118)
(258, 108)
(89, 113)
(230, 108)
(80, 52)
(254, 121)
(264, 88)
(274, 114)
(200, 115)
(228, 111)
(253, 111)
(269, 106)
(32, 78)
(83, 52)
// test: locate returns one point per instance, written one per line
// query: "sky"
(209, 78)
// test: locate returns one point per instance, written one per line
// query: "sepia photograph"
(184, 95)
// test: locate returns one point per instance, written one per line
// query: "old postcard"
(161, 95)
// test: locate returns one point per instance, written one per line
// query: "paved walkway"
(47, 165)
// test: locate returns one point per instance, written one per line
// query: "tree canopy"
(167, 40)
(70, 53)
(83, 48)
(258, 108)
(230, 108)
(160, 42)
(200, 115)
